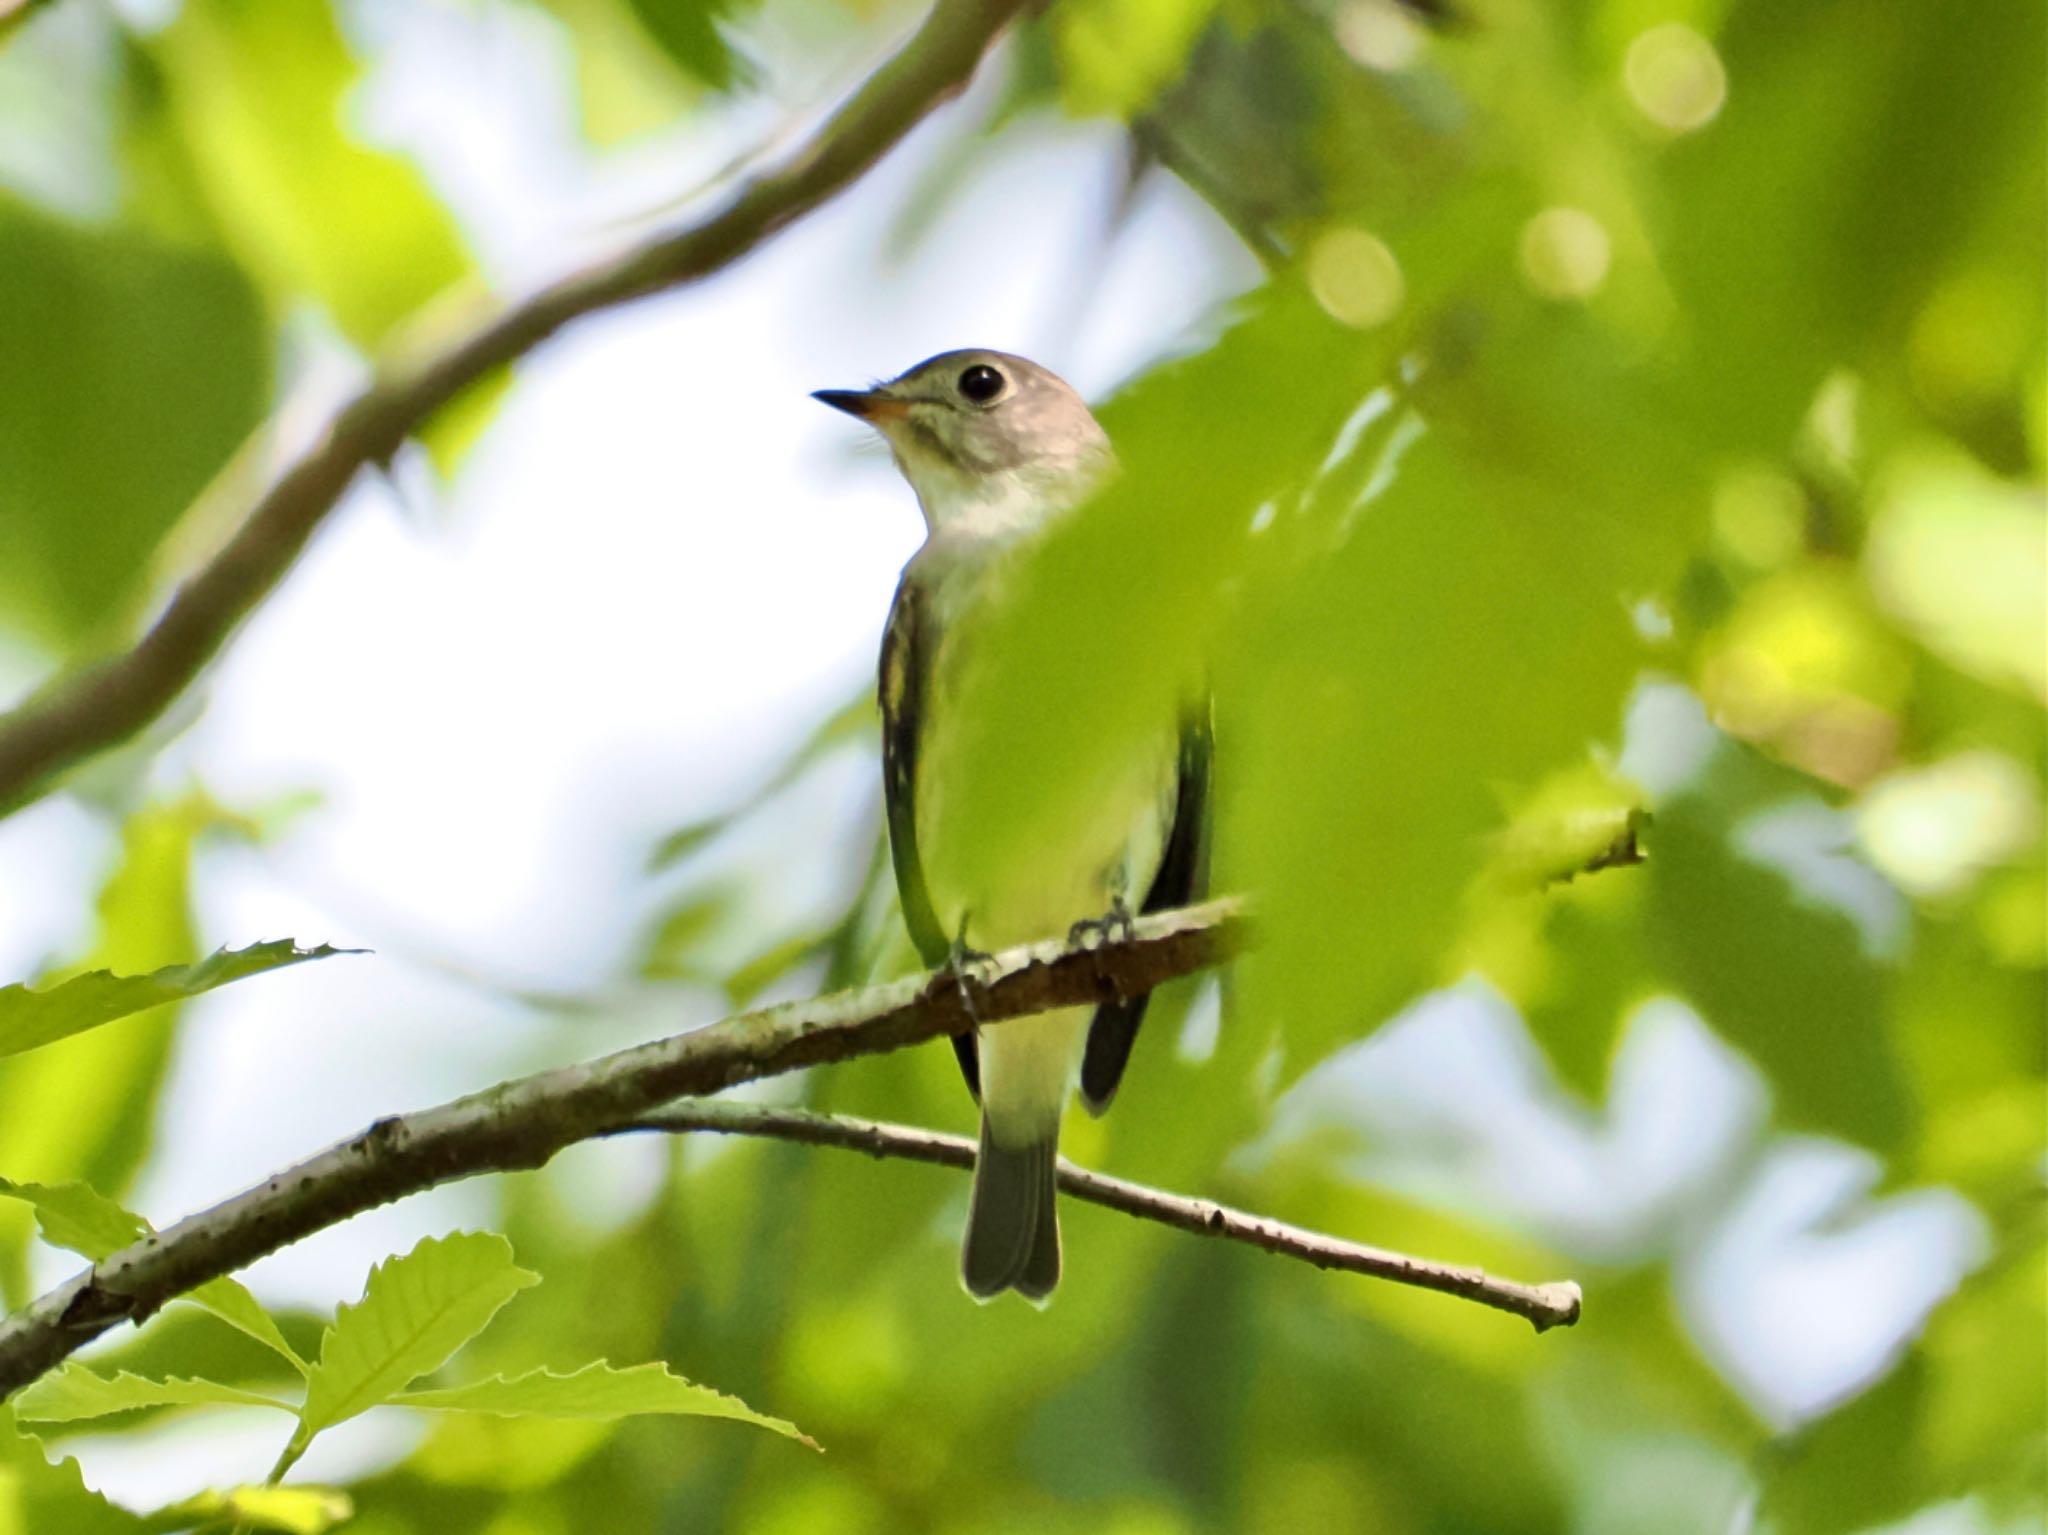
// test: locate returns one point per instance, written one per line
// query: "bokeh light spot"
(1355, 278)
(1378, 34)
(1565, 253)
(1675, 78)
(1935, 829)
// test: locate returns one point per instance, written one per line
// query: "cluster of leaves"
(1693, 341)
(415, 1313)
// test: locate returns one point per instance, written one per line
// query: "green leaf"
(80, 1219)
(1116, 56)
(1779, 976)
(39, 1496)
(77, 1217)
(692, 34)
(31, 1018)
(259, 90)
(301, 1510)
(76, 1392)
(1385, 724)
(597, 1391)
(454, 429)
(416, 1311)
(134, 369)
(231, 1301)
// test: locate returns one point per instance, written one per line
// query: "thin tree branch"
(1544, 1306)
(522, 1123)
(98, 706)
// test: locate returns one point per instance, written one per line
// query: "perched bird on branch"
(998, 450)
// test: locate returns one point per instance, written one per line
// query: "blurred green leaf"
(1778, 975)
(416, 1311)
(771, 965)
(260, 90)
(133, 369)
(1117, 55)
(453, 430)
(598, 1390)
(626, 83)
(297, 1510)
(1862, 177)
(38, 1495)
(74, 1392)
(693, 35)
(30, 1018)
(1386, 733)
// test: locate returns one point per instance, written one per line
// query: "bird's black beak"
(866, 404)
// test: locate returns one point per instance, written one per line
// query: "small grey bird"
(998, 449)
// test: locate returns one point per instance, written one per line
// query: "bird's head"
(985, 438)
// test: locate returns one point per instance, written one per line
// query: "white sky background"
(659, 568)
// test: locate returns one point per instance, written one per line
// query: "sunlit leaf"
(76, 1391)
(599, 1391)
(30, 1018)
(456, 427)
(261, 91)
(416, 1311)
(296, 1510)
(1117, 55)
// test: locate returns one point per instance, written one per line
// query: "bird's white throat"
(1004, 504)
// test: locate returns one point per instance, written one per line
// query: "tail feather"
(1013, 1229)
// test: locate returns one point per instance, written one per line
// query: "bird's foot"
(1115, 926)
(972, 970)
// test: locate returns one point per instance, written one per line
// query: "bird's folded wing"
(907, 650)
(1183, 877)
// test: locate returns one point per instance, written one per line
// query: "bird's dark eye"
(981, 383)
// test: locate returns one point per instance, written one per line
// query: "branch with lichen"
(523, 1123)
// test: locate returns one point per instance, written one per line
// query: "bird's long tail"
(1013, 1231)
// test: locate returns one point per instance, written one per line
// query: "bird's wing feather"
(1183, 877)
(905, 674)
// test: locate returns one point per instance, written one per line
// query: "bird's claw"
(1114, 926)
(970, 969)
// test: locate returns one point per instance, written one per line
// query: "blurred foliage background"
(1624, 403)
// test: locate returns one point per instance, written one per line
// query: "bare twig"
(100, 705)
(1542, 1305)
(521, 1124)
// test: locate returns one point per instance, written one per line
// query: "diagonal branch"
(522, 1123)
(1542, 1305)
(98, 706)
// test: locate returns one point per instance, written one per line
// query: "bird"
(999, 451)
